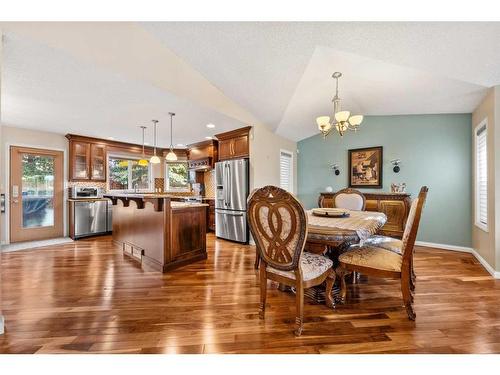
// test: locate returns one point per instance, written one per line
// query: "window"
(177, 176)
(126, 174)
(481, 176)
(286, 170)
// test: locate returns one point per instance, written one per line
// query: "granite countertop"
(151, 196)
(178, 205)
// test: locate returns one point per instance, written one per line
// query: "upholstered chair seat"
(388, 243)
(312, 265)
(388, 257)
(373, 257)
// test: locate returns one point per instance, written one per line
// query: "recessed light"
(210, 126)
(208, 137)
(111, 138)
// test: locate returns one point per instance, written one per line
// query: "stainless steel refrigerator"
(231, 179)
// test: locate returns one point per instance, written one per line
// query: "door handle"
(230, 214)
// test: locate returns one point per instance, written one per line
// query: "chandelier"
(342, 120)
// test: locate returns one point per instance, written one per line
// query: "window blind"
(286, 168)
(481, 176)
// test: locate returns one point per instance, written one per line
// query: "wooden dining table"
(331, 236)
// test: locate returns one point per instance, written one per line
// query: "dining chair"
(278, 224)
(350, 199)
(384, 262)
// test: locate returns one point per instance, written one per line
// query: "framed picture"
(365, 167)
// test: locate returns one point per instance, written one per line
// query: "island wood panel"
(395, 206)
(160, 237)
(188, 228)
(88, 298)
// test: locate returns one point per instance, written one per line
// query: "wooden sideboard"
(396, 206)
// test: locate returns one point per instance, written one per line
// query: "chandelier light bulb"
(356, 120)
(342, 116)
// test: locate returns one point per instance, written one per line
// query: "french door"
(36, 194)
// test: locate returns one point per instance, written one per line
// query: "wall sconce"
(396, 167)
(336, 169)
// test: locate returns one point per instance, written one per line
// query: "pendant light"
(171, 156)
(154, 159)
(143, 161)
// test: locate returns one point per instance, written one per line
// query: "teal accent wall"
(435, 150)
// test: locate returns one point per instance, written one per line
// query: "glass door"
(36, 194)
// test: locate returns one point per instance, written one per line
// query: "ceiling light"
(210, 126)
(143, 162)
(180, 145)
(146, 143)
(208, 137)
(154, 159)
(342, 120)
(171, 156)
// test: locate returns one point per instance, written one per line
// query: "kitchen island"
(157, 232)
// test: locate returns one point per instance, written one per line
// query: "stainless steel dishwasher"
(91, 218)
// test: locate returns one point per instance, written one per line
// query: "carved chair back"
(278, 223)
(350, 199)
(412, 224)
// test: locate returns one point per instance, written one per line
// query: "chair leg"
(408, 298)
(263, 291)
(299, 306)
(413, 278)
(342, 273)
(330, 280)
(257, 258)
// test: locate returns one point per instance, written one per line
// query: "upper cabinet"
(98, 162)
(202, 155)
(79, 160)
(87, 160)
(234, 144)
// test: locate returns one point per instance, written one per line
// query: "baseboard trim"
(486, 265)
(463, 249)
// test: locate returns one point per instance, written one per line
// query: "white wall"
(1, 187)
(487, 244)
(265, 149)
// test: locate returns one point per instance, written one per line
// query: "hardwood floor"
(87, 298)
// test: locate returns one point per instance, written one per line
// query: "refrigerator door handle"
(230, 214)
(229, 184)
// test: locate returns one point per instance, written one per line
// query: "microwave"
(86, 192)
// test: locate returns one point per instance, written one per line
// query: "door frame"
(7, 184)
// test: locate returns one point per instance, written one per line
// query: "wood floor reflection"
(87, 298)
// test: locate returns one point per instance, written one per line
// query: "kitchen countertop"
(152, 197)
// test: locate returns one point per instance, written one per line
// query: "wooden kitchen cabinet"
(202, 155)
(234, 144)
(98, 162)
(87, 160)
(79, 160)
(210, 213)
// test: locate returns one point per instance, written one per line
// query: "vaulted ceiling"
(106, 79)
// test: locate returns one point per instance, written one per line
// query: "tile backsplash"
(209, 181)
